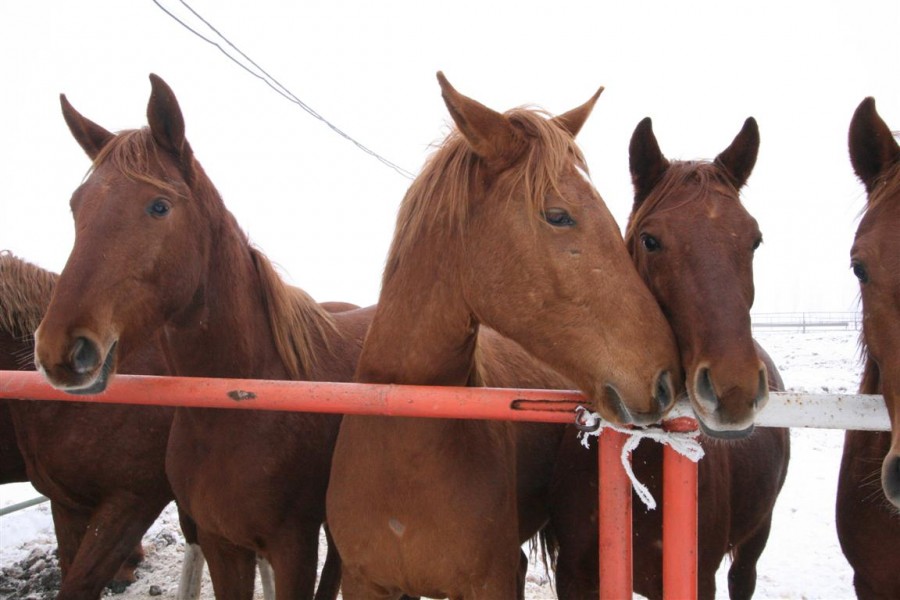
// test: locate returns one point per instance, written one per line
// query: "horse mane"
(705, 174)
(25, 291)
(436, 204)
(300, 326)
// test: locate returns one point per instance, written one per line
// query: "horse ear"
(90, 136)
(738, 159)
(489, 133)
(165, 119)
(872, 145)
(573, 120)
(645, 160)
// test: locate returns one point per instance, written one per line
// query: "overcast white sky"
(324, 211)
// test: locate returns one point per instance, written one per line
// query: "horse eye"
(558, 217)
(650, 243)
(159, 208)
(860, 271)
(757, 242)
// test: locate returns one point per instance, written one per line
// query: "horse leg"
(266, 578)
(112, 533)
(294, 558)
(69, 526)
(231, 567)
(125, 574)
(191, 579)
(330, 579)
(742, 574)
(522, 575)
(189, 583)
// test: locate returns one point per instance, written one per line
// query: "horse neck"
(423, 332)
(225, 332)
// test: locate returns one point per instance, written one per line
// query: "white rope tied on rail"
(684, 443)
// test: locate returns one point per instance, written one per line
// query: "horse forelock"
(135, 154)
(25, 291)
(301, 327)
(705, 175)
(437, 201)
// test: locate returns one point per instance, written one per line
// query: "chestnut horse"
(693, 243)
(158, 254)
(868, 524)
(501, 228)
(101, 466)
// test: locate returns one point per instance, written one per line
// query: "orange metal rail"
(550, 406)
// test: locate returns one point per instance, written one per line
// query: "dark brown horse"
(501, 228)
(158, 254)
(693, 243)
(102, 467)
(868, 523)
(12, 463)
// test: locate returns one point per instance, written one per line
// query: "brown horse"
(501, 228)
(102, 467)
(693, 243)
(157, 253)
(868, 524)
(12, 463)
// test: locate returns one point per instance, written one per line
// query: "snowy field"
(802, 559)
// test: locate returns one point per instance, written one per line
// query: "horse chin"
(99, 383)
(725, 434)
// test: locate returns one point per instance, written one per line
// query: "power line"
(272, 82)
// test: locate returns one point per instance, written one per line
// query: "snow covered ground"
(802, 559)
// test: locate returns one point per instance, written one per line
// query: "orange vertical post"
(679, 518)
(614, 490)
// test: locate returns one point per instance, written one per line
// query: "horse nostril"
(664, 394)
(762, 394)
(618, 405)
(890, 478)
(85, 356)
(706, 392)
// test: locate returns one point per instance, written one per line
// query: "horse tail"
(545, 545)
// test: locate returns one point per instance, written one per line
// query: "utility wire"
(273, 83)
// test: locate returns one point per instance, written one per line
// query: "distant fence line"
(804, 321)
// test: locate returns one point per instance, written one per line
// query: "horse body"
(693, 242)
(157, 253)
(868, 523)
(430, 507)
(102, 466)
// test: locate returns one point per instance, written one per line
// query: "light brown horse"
(102, 467)
(868, 523)
(157, 253)
(501, 228)
(693, 243)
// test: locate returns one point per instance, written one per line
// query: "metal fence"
(806, 321)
